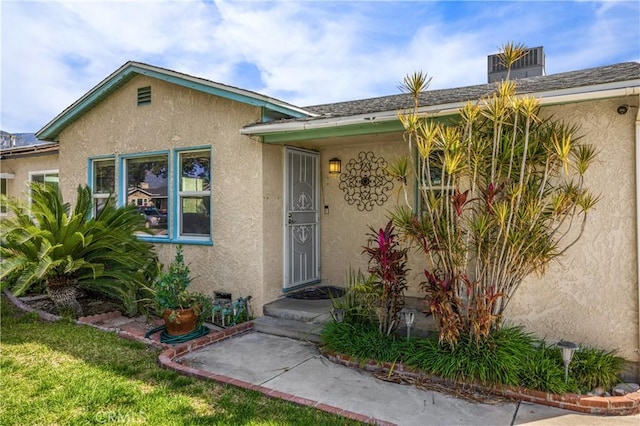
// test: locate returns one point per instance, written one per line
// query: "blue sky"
(303, 52)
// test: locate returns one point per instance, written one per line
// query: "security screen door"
(302, 261)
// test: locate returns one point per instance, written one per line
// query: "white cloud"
(300, 52)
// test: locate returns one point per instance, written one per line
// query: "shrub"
(68, 249)
(508, 356)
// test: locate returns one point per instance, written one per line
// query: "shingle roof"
(566, 80)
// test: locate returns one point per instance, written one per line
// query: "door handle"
(290, 221)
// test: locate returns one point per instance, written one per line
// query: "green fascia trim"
(332, 132)
(68, 117)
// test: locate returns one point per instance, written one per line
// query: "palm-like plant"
(502, 190)
(48, 242)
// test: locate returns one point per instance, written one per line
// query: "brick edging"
(88, 320)
(166, 360)
(602, 405)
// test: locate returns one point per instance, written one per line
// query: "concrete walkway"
(297, 368)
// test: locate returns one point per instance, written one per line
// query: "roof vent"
(144, 95)
(530, 65)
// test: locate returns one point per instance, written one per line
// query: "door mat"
(317, 293)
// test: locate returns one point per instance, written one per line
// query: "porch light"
(408, 315)
(568, 348)
(335, 166)
(337, 314)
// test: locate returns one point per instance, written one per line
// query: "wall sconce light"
(568, 348)
(335, 166)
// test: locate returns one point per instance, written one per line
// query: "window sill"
(180, 240)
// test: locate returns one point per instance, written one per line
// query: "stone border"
(600, 405)
(88, 320)
(610, 405)
(166, 360)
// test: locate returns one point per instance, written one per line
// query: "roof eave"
(123, 74)
(311, 129)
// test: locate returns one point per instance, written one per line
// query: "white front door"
(302, 254)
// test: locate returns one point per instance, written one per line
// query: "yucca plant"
(68, 249)
(503, 194)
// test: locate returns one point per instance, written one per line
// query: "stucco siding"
(176, 118)
(591, 295)
(20, 168)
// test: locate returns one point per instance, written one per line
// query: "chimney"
(530, 65)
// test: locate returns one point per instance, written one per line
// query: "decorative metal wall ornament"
(365, 181)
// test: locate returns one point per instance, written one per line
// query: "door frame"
(285, 220)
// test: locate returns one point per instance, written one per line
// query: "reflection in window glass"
(104, 183)
(147, 179)
(48, 178)
(195, 193)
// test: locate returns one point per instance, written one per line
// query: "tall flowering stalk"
(503, 194)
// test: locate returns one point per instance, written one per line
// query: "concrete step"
(295, 329)
(307, 311)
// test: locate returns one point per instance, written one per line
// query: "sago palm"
(66, 249)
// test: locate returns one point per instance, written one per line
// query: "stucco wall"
(273, 230)
(21, 166)
(591, 295)
(180, 117)
(344, 228)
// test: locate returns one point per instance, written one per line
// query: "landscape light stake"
(568, 348)
(409, 316)
(337, 314)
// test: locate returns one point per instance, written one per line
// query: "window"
(49, 177)
(147, 180)
(103, 182)
(171, 192)
(194, 193)
(431, 182)
(4, 177)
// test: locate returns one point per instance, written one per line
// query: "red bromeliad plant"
(388, 263)
(502, 192)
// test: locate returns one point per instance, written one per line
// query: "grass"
(60, 373)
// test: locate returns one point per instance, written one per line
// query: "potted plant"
(180, 308)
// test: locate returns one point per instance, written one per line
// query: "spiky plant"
(68, 249)
(503, 193)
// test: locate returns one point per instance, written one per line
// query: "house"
(21, 164)
(254, 196)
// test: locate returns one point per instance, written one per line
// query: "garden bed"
(601, 405)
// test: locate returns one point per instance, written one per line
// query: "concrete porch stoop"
(294, 318)
(304, 319)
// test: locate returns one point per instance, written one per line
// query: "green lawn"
(63, 374)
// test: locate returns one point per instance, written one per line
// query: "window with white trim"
(4, 177)
(48, 177)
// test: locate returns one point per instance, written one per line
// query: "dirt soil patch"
(91, 303)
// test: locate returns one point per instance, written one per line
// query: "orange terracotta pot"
(184, 322)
